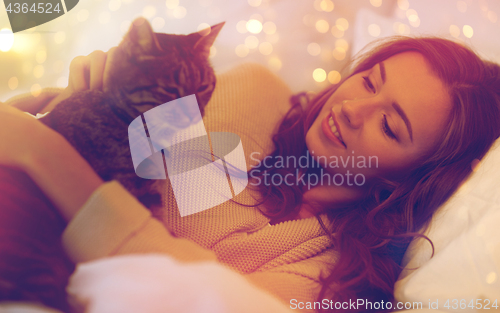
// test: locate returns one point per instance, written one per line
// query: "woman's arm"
(27, 144)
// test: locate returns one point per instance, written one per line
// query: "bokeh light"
(327, 5)
(41, 56)
(313, 49)
(269, 28)
(179, 12)
(454, 31)
(241, 27)
(374, 30)
(6, 39)
(13, 83)
(114, 5)
(275, 63)
(322, 26)
(36, 89)
(254, 26)
(319, 75)
(336, 32)
(251, 42)
(376, 3)
(266, 48)
(462, 6)
(158, 23)
(342, 43)
(38, 71)
(342, 24)
(403, 4)
(149, 11)
(254, 3)
(241, 51)
(468, 31)
(339, 53)
(172, 4)
(334, 77)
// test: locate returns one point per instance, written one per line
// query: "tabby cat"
(149, 69)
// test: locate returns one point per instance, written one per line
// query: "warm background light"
(309, 44)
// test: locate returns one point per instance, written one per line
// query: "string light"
(376, 3)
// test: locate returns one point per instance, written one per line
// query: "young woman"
(422, 110)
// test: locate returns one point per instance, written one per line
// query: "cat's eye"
(202, 88)
(171, 90)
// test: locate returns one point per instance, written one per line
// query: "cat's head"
(149, 69)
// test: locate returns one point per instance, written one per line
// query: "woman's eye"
(387, 130)
(369, 84)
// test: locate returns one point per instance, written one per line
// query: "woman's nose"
(356, 111)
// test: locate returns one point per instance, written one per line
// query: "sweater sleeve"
(113, 222)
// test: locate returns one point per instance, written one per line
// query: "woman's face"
(390, 116)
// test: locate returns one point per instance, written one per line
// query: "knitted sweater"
(285, 259)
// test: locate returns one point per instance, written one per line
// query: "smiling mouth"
(331, 130)
(334, 129)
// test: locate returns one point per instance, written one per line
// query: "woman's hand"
(85, 73)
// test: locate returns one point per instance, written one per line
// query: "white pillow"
(466, 237)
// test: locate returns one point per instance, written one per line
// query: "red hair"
(372, 235)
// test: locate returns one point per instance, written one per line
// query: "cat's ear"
(206, 39)
(141, 36)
